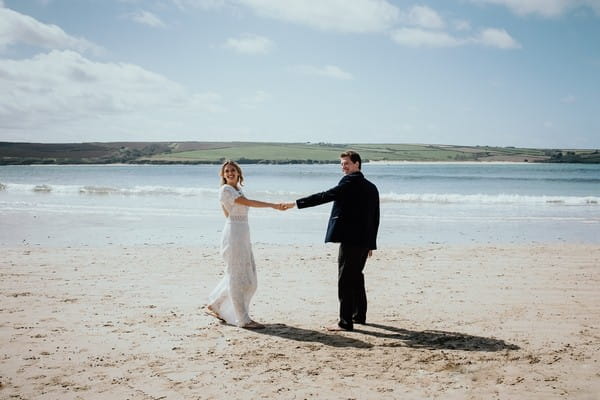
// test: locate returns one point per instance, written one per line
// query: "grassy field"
(321, 152)
(256, 152)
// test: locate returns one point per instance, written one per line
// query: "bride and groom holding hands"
(353, 223)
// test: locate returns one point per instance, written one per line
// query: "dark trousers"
(351, 285)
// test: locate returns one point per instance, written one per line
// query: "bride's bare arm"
(256, 203)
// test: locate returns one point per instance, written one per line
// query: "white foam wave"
(291, 195)
(109, 190)
(134, 191)
(392, 197)
(448, 198)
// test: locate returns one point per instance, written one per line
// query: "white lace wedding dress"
(231, 298)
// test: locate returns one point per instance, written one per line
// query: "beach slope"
(447, 322)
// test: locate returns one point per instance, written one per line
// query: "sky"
(523, 73)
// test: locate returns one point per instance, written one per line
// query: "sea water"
(421, 203)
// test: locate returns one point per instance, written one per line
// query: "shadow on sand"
(397, 337)
(308, 335)
(435, 340)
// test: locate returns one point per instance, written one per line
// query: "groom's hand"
(284, 206)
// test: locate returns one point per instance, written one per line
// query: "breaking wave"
(109, 190)
(392, 197)
(448, 198)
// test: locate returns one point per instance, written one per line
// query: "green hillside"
(256, 152)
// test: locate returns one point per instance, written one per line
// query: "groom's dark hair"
(354, 157)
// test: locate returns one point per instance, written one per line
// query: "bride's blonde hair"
(238, 169)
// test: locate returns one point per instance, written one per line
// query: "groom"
(353, 223)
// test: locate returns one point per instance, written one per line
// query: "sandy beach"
(447, 322)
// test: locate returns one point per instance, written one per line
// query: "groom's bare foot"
(208, 310)
(253, 325)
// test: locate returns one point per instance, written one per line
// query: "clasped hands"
(284, 206)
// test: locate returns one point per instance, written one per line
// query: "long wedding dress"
(231, 298)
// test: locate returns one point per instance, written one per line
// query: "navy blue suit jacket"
(355, 213)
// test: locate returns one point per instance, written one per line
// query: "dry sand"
(447, 322)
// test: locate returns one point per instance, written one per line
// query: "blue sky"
(520, 73)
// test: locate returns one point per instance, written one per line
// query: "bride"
(230, 300)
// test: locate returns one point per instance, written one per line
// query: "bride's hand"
(284, 206)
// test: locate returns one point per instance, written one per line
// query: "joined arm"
(258, 204)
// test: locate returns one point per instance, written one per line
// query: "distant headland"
(12, 153)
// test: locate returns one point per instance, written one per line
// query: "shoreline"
(445, 321)
(455, 162)
(376, 162)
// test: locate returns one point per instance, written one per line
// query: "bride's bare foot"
(253, 325)
(213, 313)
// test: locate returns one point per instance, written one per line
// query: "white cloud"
(357, 16)
(146, 18)
(17, 28)
(462, 25)
(204, 4)
(425, 17)
(250, 44)
(497, 38)
(65, 87)
(595, 4)
(414, 37)
(363, 16)
(253, 102)
(429, 31)
(569, 99)
(545, 8)
(208, 102)
(328, 71)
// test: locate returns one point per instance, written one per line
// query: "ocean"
(177, 205)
